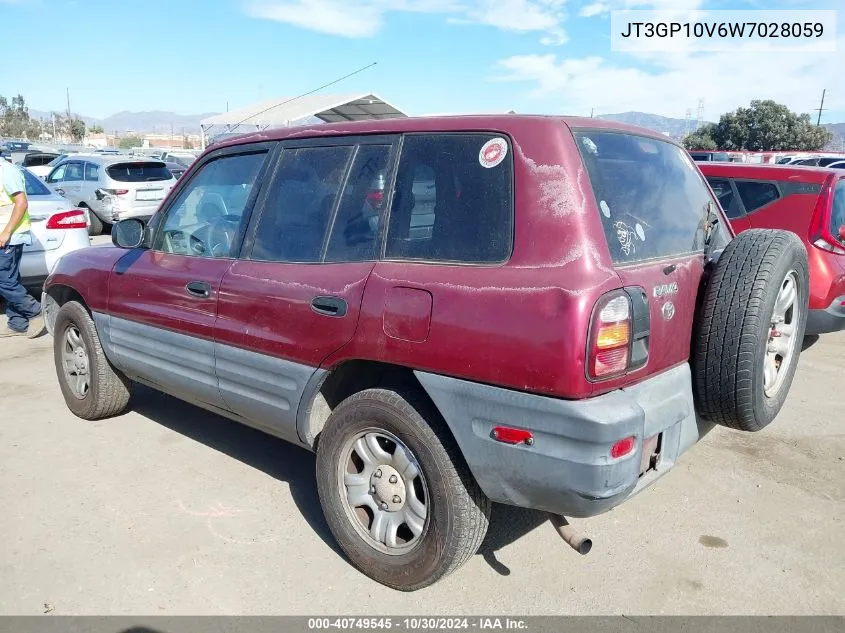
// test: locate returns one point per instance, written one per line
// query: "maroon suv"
(538, 311)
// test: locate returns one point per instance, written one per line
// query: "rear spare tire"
(750, 328)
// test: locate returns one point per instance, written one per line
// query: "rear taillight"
(116, 192)
(821, 235)
(619, 334)
(74, 219)
(610, 344)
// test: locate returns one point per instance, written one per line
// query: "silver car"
(112, 187)
(57, 229)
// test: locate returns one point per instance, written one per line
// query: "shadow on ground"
(295, 466)
(277, 458)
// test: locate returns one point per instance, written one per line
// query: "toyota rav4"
(538, 311)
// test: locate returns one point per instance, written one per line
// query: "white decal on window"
(605, 209)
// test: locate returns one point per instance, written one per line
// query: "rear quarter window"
(652, 199)
(837, 214)
(138, 172)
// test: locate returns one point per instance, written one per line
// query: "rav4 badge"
(666, 289)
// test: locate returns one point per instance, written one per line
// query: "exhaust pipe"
(570, 535)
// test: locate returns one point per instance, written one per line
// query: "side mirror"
(841, 233)
(128, 233)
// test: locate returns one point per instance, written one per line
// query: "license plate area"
(149, 195)
(650, 456)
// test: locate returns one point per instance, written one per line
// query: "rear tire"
(750, 328)
(92, 388)
(95, 225)
(456, 511)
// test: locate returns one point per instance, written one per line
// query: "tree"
(763, 126)
(701, 139)
(96, 129)
(128, 142)
(15, 120)
(76, 129)
(186, 143)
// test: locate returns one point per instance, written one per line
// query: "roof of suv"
(458, 123)
(111, 159)
(801, 173)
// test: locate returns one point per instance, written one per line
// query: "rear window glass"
(34, 186)
(651, 197)
(138, 172)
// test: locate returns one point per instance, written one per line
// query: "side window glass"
(453, 199)
(206, 217)
(756, 194)
(91, 172)
(837, 213)
(74, 172)
(355, 230)
(296, 216)
(58, 174)
(725, 194)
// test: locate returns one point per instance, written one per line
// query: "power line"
(821, 108)
(305, 94)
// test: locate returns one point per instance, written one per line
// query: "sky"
(432, 56)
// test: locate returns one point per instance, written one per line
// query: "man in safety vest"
(23, 313)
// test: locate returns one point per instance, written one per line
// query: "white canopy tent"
(285, 112)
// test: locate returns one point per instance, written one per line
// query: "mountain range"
(678, 128)
(156, 121)
(162, 122)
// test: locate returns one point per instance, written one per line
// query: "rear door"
(163, 300)
(295, 295)
(653, 203)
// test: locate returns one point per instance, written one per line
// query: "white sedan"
(57, 228)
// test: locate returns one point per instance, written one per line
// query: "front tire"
(92, 388)
(396, 491)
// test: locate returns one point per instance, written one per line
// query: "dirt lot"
(170, 510)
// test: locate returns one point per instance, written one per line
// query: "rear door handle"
(329, 306)
(198, 289)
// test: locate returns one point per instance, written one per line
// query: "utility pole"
(592, 110)
(821, 108)
(67, 91)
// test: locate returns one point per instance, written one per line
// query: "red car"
(809, 201)
(537, 311)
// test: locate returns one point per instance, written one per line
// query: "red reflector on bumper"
(623, 447)
(508, 435)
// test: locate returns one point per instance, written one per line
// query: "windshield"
(652, 199)
(34, 186)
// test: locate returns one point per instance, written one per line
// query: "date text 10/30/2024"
(417, 624)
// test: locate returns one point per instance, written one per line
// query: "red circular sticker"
(493, 152)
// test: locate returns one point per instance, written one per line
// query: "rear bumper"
(830, 319)
(568, 470)
(36, 266)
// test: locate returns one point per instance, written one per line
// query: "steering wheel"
(221, 234)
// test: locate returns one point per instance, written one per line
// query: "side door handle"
(60, 191)
(329, 306)
(198, 289)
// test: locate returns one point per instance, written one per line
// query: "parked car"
(112, 187)
(699, 156)
(531, 347)
(32, 160)
(817, 161)
(57, 229)
(805, 200)
(177, 169)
